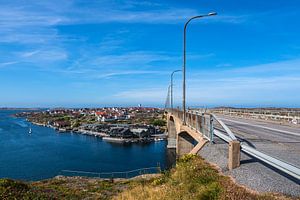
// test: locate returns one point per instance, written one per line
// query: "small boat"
(30, 131)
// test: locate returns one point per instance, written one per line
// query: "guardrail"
(215, 126)
(275, 162)
(112, 175)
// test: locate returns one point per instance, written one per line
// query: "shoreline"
(106, 137)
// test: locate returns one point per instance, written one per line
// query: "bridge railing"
(209, 125)
(206, 124)
(202, 123)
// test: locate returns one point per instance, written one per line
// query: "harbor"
(46, 152)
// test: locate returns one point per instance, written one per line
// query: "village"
(113, 124)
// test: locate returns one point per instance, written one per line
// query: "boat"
(30, 131)
(158, 139)
(115, 140)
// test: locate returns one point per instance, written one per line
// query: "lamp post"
(184, 61)
(172, 86)
(168, 97)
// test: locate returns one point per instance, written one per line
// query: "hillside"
(192, 178)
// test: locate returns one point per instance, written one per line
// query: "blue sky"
(115, 52)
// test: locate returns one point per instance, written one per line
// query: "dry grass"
(193, 178)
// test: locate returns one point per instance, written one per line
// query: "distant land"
(254, 108)
(9, 108)
(192, 107)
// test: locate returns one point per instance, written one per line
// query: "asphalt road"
(280, 141)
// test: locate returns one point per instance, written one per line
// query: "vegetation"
(192, 178)
(60, 188)
(158, 122)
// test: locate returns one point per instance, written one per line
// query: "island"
(112, 124)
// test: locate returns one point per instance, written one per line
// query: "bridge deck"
(277, 140)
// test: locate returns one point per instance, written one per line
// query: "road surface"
(277, 140)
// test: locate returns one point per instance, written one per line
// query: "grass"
(192, 178)
(60, 188)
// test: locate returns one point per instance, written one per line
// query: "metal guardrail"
(222, 136)
(112, 175)
(275, 162)
(228, 131)
(281, 165)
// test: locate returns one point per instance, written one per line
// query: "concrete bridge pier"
(170, 158)
(185, 144)
(172, 133)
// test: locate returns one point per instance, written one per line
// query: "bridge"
(189, 131)
(202, 127)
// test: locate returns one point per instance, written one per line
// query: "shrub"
(158, 122)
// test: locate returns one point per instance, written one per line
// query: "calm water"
(44, 153)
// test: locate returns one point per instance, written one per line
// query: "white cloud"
(233, 19)
(29, 36)
(138, 58)
(29, 54)
(4, 64)
(128, 63)
(279, 66)
(291, 66)
(45, 15)
(22, 17)
(109, 44)
(49, 55)
(127, 72)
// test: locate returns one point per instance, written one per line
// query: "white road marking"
(259, 126)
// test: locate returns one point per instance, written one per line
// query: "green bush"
(158, 122)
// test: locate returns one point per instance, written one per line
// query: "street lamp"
(172, 86)
(184, 60)
(168, 97)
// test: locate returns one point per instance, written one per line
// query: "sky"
(88, 53)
